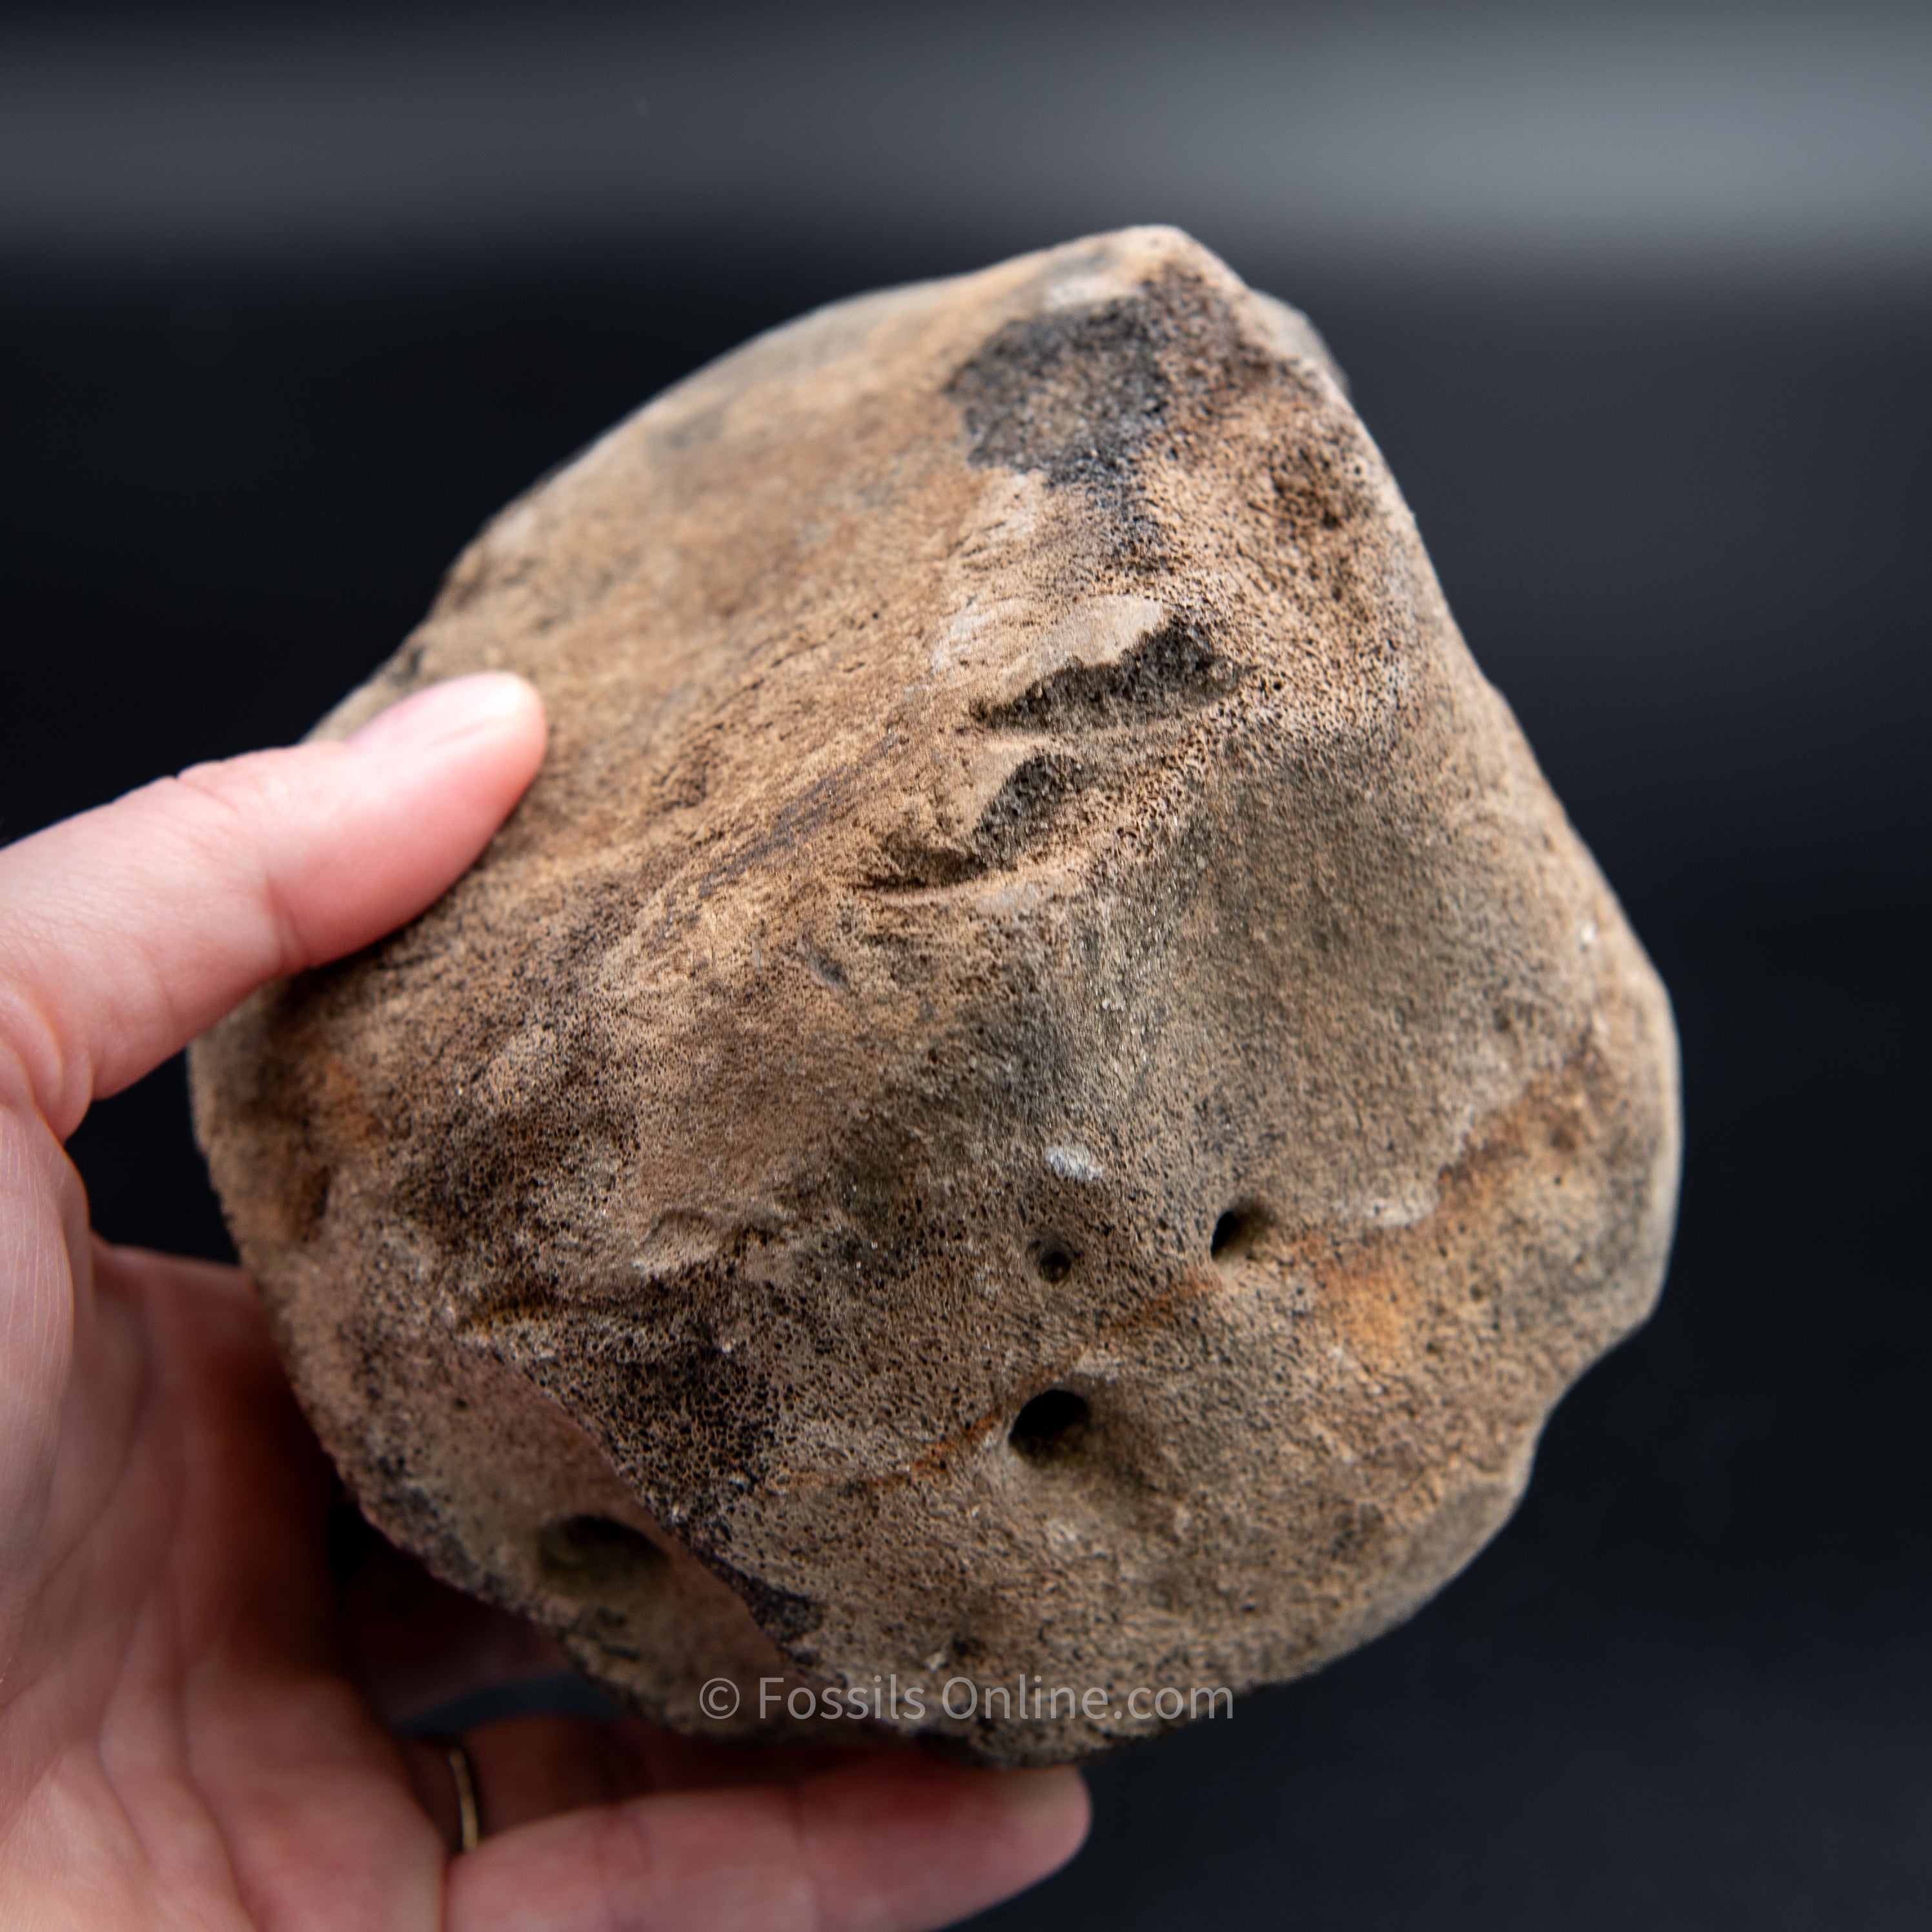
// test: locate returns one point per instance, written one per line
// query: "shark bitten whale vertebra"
(1039, 1092)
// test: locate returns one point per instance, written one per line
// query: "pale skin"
(190, 1729)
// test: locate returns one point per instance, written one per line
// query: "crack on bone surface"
(1171, 670)
(1024, 809)
(601, 1557)
(786, 1616)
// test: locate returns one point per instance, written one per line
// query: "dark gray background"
(1638, 304)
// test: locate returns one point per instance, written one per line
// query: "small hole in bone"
(1235, 1233)
(1053, 1262)
(596, 1554)
(1050, 1426)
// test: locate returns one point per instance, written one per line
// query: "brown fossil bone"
(1040, 1092)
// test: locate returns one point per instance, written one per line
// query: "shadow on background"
(1681, 518)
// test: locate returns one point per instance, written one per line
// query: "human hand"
(183, 1740)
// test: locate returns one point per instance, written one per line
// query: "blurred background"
(1637, 301)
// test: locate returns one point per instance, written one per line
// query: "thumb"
(127, 931)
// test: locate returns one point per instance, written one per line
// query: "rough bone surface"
(1040, 1091)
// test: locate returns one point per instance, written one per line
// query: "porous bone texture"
(1040, 1094)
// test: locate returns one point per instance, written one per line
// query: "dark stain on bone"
(1080, 394)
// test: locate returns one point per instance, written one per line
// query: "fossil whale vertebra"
(1040, 1091)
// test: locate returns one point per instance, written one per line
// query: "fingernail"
(441, 712)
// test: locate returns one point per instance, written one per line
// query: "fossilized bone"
(1040, 1092)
